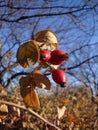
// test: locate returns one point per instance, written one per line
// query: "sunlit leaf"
(61, 111)
(41, 80)
(16, 111)
(47, 39)
(30, 97)
(3, 111)
(28, 53)
(53, 67)
(3, 91)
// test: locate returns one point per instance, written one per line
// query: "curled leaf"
(30, 97)
(25, 81)
(28, 53)
(47, 39)
(41, 80)
(27, 87)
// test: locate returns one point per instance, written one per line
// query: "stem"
(65, 56)
(95, 123)
(31, 112)
(52, 68)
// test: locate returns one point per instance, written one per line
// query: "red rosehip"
(58, 57)
(45, 55)
(59, 77)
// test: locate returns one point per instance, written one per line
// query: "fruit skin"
(45, 55)
(58, 57)
(59, 76)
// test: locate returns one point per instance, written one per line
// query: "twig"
(31, 112)
(95, 123)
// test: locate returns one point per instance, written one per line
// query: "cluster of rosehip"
(56, 57)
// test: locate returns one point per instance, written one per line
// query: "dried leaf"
(16, 111)
(35, 79)
(41, 80)
(30, 97)
(3, 111)
(25, 81)
(73, 118)
(47, 39)
(66, 101)
(28, 84)
(61, 111)
(3, 91)
(28, 54)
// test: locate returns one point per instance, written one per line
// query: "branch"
(36, 15)
(73, 10)
(9, 67)
(69, 68)
(95, 123)
(31, 112)
(38, 7)
(14, 76)
(47, 7)
(73, 67)
(84, 46)
(42, 15)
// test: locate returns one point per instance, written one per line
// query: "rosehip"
(59, 77)
(45, 55)
(58, 57)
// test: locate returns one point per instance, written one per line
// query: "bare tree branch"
(73, 67)
(12, 77)
(47, 14)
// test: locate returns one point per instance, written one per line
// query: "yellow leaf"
(47, 40)
(3, 111)
(61, 111)
(30, 97)
(3, 91)
(28, 53)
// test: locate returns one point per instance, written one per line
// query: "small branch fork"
(31, 112)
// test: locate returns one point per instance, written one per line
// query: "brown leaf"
(47, 39)
(35, 79)
(30, 97)
(66, 101)
(41, 80)
(26, 81)
(72, 118)
(28, 53)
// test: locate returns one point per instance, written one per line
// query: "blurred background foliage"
(75, 25)
(81, 110)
